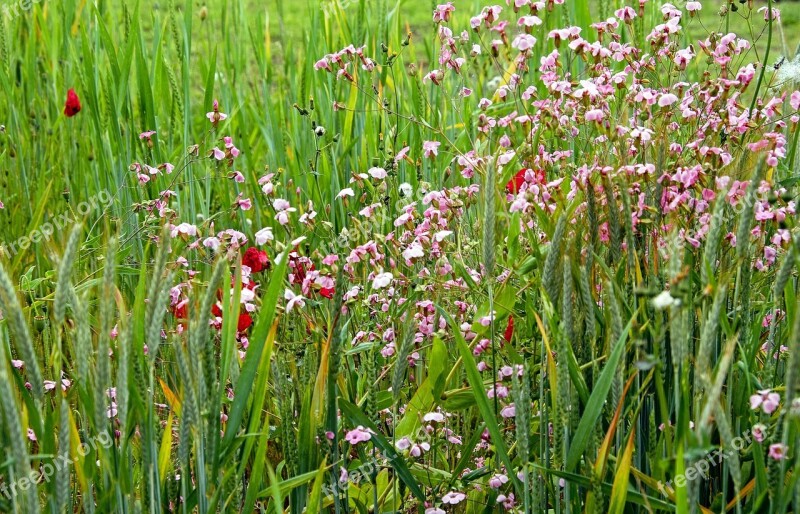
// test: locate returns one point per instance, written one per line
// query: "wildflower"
(244, 322)
(405, 189)
(377, 173)
(497, 481)
(667, 100)
(348, 191)
(664, 300)
(594, 115)
(509, 332)
(693, 7)
(358, 435)
(244, 204)
(430, 148)
(777, 451)
(255, 259)
(514, 185)
(319, 131)
(434, 510)
(148, 137)
(264, 235)
(453, 498)
(215, 116)
(382, 280)
(292, 300)
(436, 417)
(523, 42)
(766, 399)
(186, 229)
(73, 104)
(759, 432)
(442, 12)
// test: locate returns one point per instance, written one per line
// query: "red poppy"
(327, 292)
(255, 259)
(73, 104)
(245, 321)
(509, 329)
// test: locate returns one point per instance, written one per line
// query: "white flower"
(453, 497)
(413, 251)
(441, 235)
(406, 190)
(664, 300)
(348, 191)
(382, 280)
(292, 300)
(377, 173)
(264, 235)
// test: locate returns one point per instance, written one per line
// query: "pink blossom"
(777, 451)
(430, 148)
(766, 399)
(358, 435)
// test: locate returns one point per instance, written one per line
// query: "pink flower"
(244, 204)
(794, 100)
(759, 432)
(442, 12)
(595, 115)
(431, 148)
(777, 451)
(358, 435)
(667, 100)
(767, 400)
(692, 7)
(215, 116)
(497, 481)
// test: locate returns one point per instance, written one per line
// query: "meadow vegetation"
(372, 256)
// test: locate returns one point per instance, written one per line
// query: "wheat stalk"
(12, 310)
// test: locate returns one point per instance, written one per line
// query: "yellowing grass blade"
(619, 492)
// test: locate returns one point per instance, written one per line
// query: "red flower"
(245, 321)
(216, 310)
(255, 259)
(509, 329)
(298, 274)
(179, 310)
(327, 292)
(73, 105)
(513, 186)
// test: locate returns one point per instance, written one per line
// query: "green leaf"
(594, 407)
